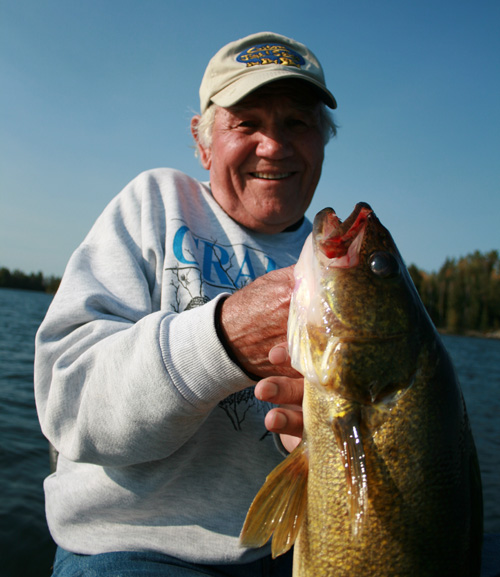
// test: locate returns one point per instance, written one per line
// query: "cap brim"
(243, 86)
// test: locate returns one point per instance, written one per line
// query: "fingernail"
(268, 391)
(278, 355)
(279, 421)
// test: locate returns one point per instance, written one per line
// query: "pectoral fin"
(279, 505)
(347, 431)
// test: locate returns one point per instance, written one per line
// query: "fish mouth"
(341, 241)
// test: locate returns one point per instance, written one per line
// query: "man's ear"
(204, 152)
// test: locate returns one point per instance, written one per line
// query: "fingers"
(285, 420)
(278, 355)
(289, 442)
(280, 390)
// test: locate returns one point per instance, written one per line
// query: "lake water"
(26, 549)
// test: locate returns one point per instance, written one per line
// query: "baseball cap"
(244, 65)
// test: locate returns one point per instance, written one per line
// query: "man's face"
(266, 156)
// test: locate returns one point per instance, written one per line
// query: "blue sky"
(94, 92)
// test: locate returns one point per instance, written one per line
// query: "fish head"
(355, 315)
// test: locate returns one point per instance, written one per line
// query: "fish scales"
(407, 512)
(387, 465)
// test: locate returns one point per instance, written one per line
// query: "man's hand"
(254, 325)
(254, 320)
(287, 392)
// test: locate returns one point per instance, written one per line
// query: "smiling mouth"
(271, 176)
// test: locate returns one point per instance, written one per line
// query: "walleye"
(386, 480)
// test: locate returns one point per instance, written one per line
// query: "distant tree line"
(464, 295)
(33, 282)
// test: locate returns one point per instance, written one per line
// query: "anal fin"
(279, 506)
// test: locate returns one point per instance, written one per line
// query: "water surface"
(25, 545)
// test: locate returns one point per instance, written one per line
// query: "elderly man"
(170, 311)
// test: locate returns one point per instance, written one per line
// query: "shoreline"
(492, 335)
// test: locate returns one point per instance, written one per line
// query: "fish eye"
(383, 264)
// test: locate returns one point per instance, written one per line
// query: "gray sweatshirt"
(162, 443)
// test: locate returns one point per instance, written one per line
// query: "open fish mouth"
(340, 241)
(356, 267)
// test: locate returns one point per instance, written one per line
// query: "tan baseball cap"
(244, 65)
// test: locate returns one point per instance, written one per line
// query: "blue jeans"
(131, 564)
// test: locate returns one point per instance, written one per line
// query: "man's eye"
(297, 124)
(247, 124)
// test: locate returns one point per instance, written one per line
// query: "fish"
(386, 480)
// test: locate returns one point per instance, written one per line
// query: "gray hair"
(205, 125)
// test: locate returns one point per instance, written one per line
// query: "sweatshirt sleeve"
(118, 381)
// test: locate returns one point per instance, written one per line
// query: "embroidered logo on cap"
(270, 54)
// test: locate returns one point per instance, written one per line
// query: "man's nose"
(274, 143)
